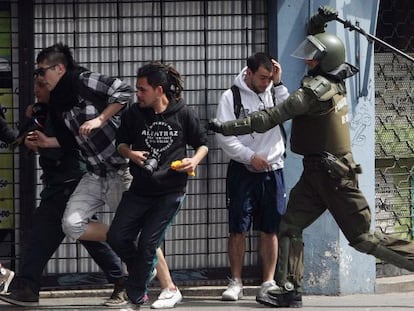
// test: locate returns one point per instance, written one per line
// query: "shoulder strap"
(321, 87)
(237, 105)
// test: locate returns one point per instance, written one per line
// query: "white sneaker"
(234, 291)
(6, 276)
(167, 299)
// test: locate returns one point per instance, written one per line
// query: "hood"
(241, 84)
(172, 108)
(65, 94)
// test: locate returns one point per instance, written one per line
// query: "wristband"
(279, 84)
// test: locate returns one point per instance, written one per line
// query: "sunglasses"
(41, 72)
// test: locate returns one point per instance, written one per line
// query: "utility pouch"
(342, 167)
(334, 166)
(349, 161)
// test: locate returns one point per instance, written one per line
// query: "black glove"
(327, 13)
(318, 21)
(215, 126)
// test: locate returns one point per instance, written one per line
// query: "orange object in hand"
(175, 164)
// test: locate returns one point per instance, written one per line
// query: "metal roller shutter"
(208, 42)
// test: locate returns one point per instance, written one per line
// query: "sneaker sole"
(229, 298)
(168, 307)
(275, 304)
(270, 303)
(5, 298)
(165, 307)
(114, 304)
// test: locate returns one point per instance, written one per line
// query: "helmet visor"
(310, 49)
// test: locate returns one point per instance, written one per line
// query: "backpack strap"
(237, 105)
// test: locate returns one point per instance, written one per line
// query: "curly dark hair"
(167, 76)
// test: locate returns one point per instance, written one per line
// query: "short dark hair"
(259, 59)
(167, 76)
(58, 53)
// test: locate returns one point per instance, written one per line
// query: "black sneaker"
(23, 297)
(118, 296)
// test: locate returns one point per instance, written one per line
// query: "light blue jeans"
(90, 196)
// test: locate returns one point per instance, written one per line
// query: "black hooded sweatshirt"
(165, 136)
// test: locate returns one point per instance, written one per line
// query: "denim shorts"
(255, 197)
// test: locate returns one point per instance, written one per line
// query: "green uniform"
(319, 113)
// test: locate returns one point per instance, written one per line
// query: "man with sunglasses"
(62, 170)
(85, 109)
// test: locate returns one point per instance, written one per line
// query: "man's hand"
(31, 143)
(138, 157)
(215, 126)
(259, 163)
(318, 21)
(41, 140)
(87, 127)
(277, 72)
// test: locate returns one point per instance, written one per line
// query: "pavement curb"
(403, 283)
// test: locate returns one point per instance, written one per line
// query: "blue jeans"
(46, 235)
(150, 217)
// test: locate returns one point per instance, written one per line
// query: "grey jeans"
(90, 196)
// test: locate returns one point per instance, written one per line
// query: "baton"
(348, 24)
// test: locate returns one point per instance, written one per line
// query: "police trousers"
(316, 192)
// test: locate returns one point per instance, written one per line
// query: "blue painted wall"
(331, 266)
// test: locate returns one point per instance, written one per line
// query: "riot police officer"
(320, 133)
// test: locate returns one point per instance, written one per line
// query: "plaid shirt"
(99, 148)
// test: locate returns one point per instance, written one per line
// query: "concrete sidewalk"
(365, 302)
(396, 293)
(404, 283)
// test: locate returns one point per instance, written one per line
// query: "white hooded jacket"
(241, 148)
